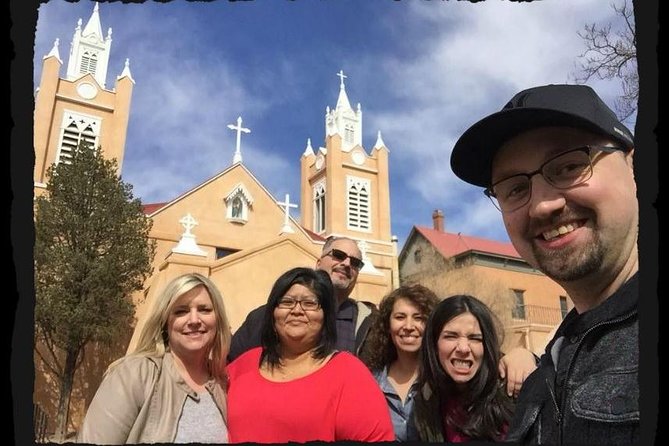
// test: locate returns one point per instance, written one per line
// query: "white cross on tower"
(188, 222)
(238, 154)
(286, 205)
(342, 76)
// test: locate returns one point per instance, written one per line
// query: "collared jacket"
(589, 392)
(400, 411)
(140, 401)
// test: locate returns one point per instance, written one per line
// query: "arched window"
(319, 207)
(417, 255)
(348, 133)
(75, 129)
(357, 200)
(89, 63)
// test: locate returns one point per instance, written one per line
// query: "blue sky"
(423, 72)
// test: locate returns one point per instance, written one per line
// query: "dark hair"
(317, 281)
(488, 408)
(379, 350)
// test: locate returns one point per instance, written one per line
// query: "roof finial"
(237, 158)
(308, 150)
(379, 141)
(286, 229)
(54, 50)
(342, 76)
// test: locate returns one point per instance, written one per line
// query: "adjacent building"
(529, 304)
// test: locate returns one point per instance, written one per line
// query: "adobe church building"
(229, 228)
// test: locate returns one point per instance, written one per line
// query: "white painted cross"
(287, 205)
(342, 76)
(238, 154)
(188, 222)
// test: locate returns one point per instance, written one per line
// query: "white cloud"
(423, 72)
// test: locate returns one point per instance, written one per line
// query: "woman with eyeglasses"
(297, 387)
(460, 396)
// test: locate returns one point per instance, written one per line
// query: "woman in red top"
(296, 387)
(461, 396)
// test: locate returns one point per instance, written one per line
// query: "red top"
(339, 401)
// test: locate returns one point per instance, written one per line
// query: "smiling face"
(342, 274)
(296, 328)
(589, 230)
(191, 325)
(407, 324)
(460, 348)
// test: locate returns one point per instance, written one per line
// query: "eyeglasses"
(563, 171)
(288, 303)
(340, 256)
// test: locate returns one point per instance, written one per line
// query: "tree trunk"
(64, 398)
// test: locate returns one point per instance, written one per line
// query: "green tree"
(611, 54)
(91, 252)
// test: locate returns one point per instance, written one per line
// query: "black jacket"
(592, 396)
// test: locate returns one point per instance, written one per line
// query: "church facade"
(230, 227)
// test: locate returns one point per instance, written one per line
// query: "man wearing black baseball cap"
(558, 165)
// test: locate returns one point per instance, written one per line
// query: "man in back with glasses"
(342, 260)
(558, 165)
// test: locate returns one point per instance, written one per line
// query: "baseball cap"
(548, 105)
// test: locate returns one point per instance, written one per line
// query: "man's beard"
(341, 284)
(568, 265)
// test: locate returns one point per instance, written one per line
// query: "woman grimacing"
(296, 387)
(170, 388)
(460, 396)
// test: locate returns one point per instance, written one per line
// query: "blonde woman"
(170, 388)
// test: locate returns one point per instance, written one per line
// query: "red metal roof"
(450, 244)
(313, 235)
(152, 207)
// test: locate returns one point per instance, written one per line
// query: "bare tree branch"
(610, 55)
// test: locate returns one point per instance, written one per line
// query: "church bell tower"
(345, 190)
(79, 106)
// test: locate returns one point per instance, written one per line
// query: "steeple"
(308, 150)
(54, 51)
(126, 71)
(93, 27)
(342, 101)
(379, 142)
(89, 50)
(343, 120)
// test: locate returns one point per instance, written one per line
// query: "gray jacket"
(140, 401)
(592, 395)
